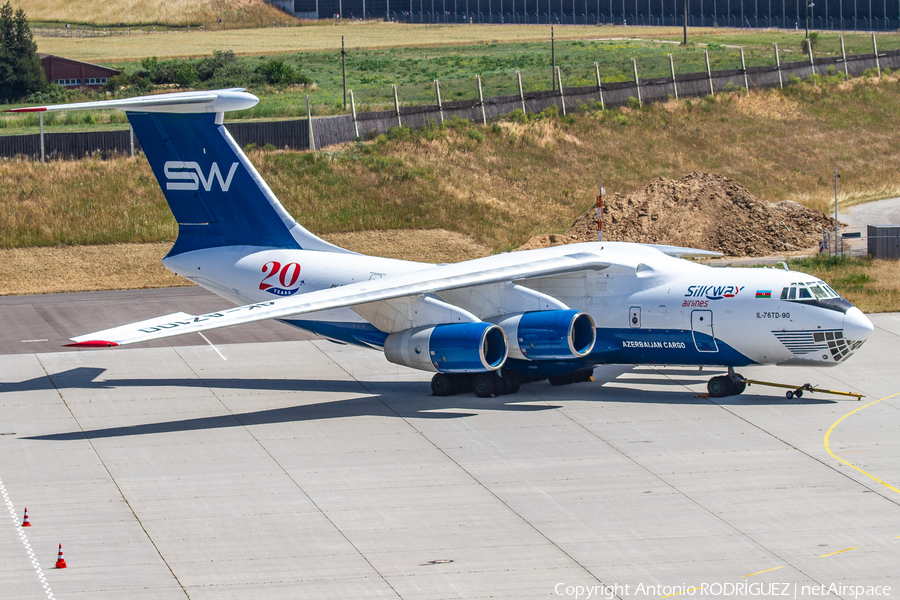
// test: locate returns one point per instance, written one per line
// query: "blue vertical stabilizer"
(217, 196)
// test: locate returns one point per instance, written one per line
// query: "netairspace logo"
(742, 589)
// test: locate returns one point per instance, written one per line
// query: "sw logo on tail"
(175, 170)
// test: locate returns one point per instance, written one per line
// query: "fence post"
(637, 82)
(672, 68)
(312, 140)
(562, 97)
(778, 66)
(875, 47)
(437, 92)
(812, 65)
(481, 101)
(709, 73)
(397, 105)
(41, 119)
(599, 87)
(521, 93)
(844, 57)
(130, 141)
(744, 69)
(353, 111)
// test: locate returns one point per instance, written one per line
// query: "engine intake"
(454, 348)
(549, 334)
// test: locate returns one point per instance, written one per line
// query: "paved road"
(44, 323)
(880, 212)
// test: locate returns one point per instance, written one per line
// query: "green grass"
(872, 285)
(370, 72)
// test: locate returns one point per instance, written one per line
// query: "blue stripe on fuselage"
(613, 346)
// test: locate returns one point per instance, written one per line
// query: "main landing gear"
(726, 385)
(483, 385)
(487, 385)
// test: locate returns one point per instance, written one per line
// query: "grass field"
(136, 13)
(503, 183)
(412, 56)
(872, 285)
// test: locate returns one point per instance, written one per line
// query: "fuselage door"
(702, 326)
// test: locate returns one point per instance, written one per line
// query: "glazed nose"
(857, 326)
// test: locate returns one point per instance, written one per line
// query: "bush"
(185, 76)
(633, 102)
(476, 135)
(277, 72)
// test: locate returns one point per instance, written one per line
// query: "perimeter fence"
(314, 133)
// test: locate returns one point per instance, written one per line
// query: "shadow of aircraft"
(386, 399)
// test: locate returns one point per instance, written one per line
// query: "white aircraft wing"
(482, 271)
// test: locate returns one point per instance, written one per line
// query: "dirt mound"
(700, 210)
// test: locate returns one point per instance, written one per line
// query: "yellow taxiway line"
(836, 423)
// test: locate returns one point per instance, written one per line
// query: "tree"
(21, 73)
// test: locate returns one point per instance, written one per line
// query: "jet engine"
(453, 348)
(549, 334)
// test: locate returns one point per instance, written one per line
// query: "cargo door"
(702, 326)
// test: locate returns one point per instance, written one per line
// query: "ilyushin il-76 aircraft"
(484, 325)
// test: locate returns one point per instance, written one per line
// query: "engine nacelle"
(549, 334)
(453, 348)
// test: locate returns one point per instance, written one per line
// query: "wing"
(482, 271)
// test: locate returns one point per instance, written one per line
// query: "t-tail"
(215, 193)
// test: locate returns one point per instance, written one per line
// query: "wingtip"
(91, 344)
(29, 109)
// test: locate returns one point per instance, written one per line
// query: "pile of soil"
(700, 210)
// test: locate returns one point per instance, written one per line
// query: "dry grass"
(136, 12)
(281, 40)
(81, 202)
(137, 266)
(85, 269)
(432, 246)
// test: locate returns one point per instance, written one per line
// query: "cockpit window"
(812, 290)
(818, 292)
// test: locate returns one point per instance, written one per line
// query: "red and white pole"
(600, 214)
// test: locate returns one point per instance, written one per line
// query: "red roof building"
(72, 73)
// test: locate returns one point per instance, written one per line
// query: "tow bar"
(797, 392)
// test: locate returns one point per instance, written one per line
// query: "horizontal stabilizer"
(178, 102)
(99, 338)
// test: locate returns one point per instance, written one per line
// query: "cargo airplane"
(484, 325)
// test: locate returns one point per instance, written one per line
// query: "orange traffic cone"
(25, 522)
(60, 561)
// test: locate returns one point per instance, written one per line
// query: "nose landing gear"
(726, 385)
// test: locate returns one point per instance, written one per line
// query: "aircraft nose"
(857, 326)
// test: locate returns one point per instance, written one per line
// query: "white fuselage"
(648, 307)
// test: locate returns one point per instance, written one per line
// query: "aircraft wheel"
(443, 385)
(512, 382)
(560, 380)
(798, 394)
(485, 385)
(741, 386)
(719, 387)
